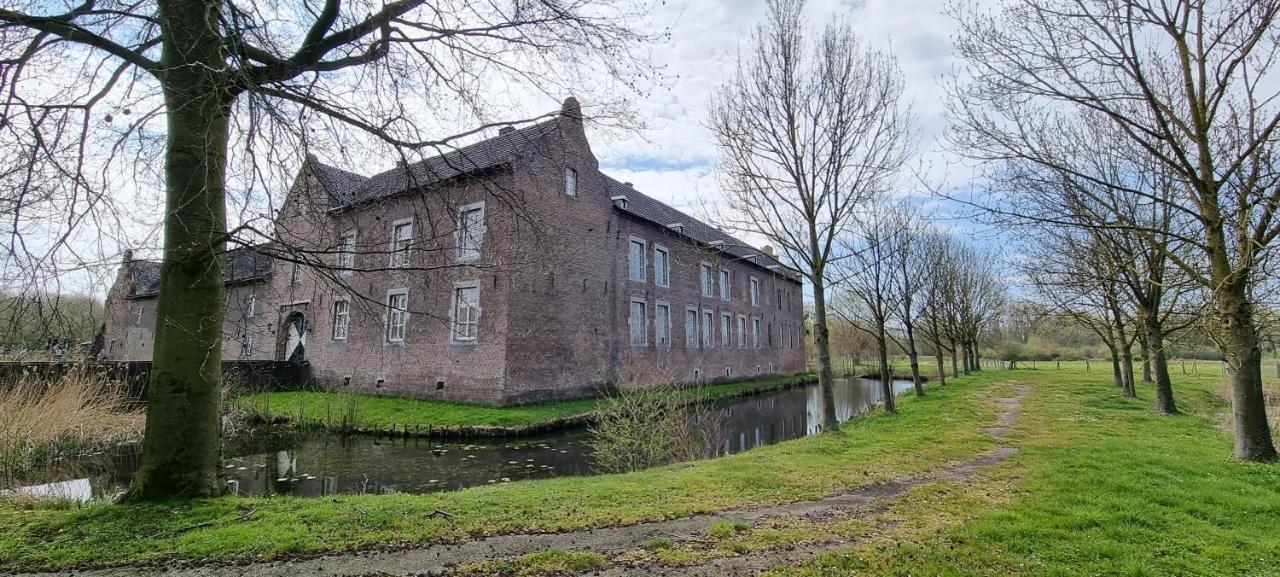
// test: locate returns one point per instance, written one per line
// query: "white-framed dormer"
(470, 234)
(400, 245)
(661, 265)
(464, 313)
(397, 315)
(637, 259)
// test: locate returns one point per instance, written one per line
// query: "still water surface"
(283, 461)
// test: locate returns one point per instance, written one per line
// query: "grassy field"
(1102, 486)
(352, 411)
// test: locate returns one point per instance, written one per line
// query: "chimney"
(571, 108)
(128, 256)
(506, 129)
(628, 185)
(768, 250)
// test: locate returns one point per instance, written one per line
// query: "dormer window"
(571, 182)
(620, 200)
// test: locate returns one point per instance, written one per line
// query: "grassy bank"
(1101, 486)
(374, 413)
(930, 432)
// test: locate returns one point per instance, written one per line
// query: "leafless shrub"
(646, 427)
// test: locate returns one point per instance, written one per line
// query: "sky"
(673, 158)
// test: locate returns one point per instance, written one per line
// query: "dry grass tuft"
(42, 419)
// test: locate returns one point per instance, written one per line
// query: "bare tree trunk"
(1145, 343)
(1117, 377)
(180, 448)
(822, 340)
(1155, 358)
(886, 374)
(914, 357)
(955, 367)
(1244, 355)
(965, 357)
(1126, 365)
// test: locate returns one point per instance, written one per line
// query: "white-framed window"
(708, 328)
(253, 306)
(341, 319)
(724, 284)
(742, 332)
(661, 265)
(691, 328)
(706, 279)
(570, 182)
(401, 242)
(755, 291)
(662, 324)
(295, 274)
(728, 371)
(470, 231)
(246, 344)
(466, 312)
(397, 314)
(636, 259)
(346, 252)
(755, 333)
(779, 298)
(137, 319)
(726, 330)
(638, 321)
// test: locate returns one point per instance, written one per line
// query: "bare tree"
(866, 295)
(261, 77)
(808, 132)
(1190, 83)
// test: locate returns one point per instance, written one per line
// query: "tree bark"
(1117, 377)
(955, 366)
(886, 374)
(822, 339)
(1126, 365)
(180, 448)
(1155, 359)
(914, 357)
(1244, 356)
(1144, 340)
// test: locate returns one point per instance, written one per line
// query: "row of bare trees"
(1137, 141)
(914, 288)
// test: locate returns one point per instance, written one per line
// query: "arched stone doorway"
(293, 336)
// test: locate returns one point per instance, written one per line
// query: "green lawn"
(930, 432)
(1102, 486)
(381, 413)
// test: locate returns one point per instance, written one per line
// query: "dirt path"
(438, 559)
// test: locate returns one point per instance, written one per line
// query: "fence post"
(1086, 365)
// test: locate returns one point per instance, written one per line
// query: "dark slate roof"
(244, 264)
(648, 208)
(485, 154)
(336, 181)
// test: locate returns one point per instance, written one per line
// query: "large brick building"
(508, 271)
